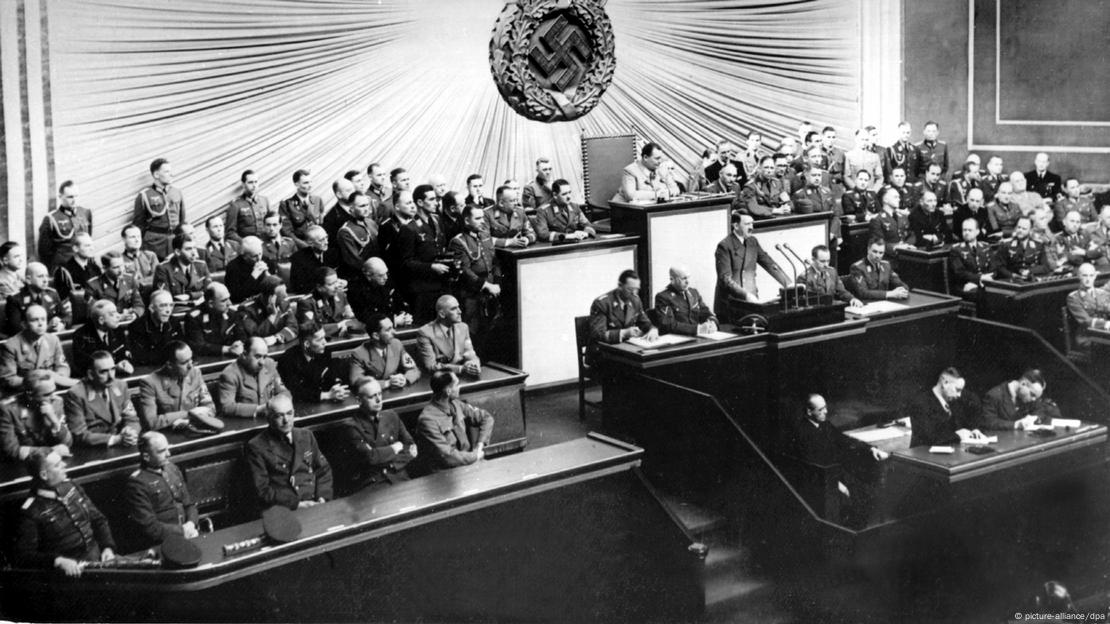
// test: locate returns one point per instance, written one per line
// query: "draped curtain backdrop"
(331, 85)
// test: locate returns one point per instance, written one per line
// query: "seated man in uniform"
(445, 425)
(175, 394)
(210, 329)
(244, 273)
(1021, 257)
(33, 420)
(679, 308)
(59, 527)
(562, 219)
(12, 268)
(376, 440)
(158, 502)
(618, 315)
(102, 332)
(508, 225)
(183, 275)
(764, 195)
(444, 344)
(309, 370)
(1018, 403)
(938, 417)
(970, 260)
(872, 278)
(249, 382)
(383, 357)
(118, 287)
(328, 307)
(642, 180)
(736, 257)
(218, 251)
(268, 315)
(37, 291)
(1073, 246)
(98, 409)
(374, 293)
(33, 349)
(821, 278)
(1089, 306)
(286, 464)
(149, 335)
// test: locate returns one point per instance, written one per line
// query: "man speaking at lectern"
(737, 256)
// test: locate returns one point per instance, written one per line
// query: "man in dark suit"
(619, 315)
(182, 274)
(821, 278)
(101, 333)
(377, 442)
(1018, 403)
(737, 256)
(98, 408)
(245, 272)
(305, 262)
(374, 293)
(308, 370)
(444, 344)
(383, 357)
(680, 309)
(1042, 181)
(937, 416)
(286, 464)
(872, 278)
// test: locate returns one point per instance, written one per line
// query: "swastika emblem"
(552, 59)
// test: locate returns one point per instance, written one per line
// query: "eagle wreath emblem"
(552, 59)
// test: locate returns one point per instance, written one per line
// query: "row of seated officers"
(60, 527)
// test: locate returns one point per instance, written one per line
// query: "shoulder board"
(602, 298)
(27, 503)
(194, 313)
(9, 400)
(136, 473)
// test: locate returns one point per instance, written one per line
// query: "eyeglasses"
(104, 371)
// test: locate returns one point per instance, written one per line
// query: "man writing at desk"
(940, 418)
(618, 315)
(737, 256)
(680, 309)
(1018, 403)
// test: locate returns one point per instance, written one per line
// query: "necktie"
(37, 347)
(111, 406)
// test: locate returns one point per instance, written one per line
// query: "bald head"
(343, 189)
(251, 245)
(680, 278)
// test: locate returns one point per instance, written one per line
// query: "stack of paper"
(717, 335)
(1074, 423)
(876, 307)
(872, 436)
(661, 341)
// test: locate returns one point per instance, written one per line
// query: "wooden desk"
(1035, 305)
(569, 532)
(925, 269)
(920, 304)
(544, 287)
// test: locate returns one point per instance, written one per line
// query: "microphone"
(793, 269)
(795, 254)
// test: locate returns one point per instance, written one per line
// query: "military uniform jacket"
(70, 278)
(969, 261)
(857, 160)
(216, 255)
(554, 222)
(905, 155)
(208, 332)
(1000, 408)
(859, 203)
(357, 241)
(441, 348)
(1014, 256)
(47, 298)
(610, 313)
(164, 399)
(535, 195)
(333, 220)
(1085, 206)
(303, 265)
(502, 227)
(124, 292)
(369, 439)
(826, 282)
(60, 521)
(760, 196)
(10, 282)
(173, 277)
(933, 152)
(893, 228)
(57, 231)
(88, 340)
(736, 263)
(245, 215)
(368, 299)
(298, 214)
(1064, 243)
(93, 418)
(22, 424)
(681, 312)
(924, 223)
(287, 473)
(254, 320)
(639, 183)
(370, 361)
(140, 265)
(276, 250)
(148, 338)
(418, 246)
(958, 190)
(1004, 216)
(158, 502)
(239, 393)
(818, 199)
(307, 378)
(157, 212)
(1047, 184)
(720, 188)
(474, 255)
(870, 282)
(326, 311)
(22, 353)
(445, 426)
(1090, 309)
(938, 188)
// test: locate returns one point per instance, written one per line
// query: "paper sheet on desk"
(878, 435)
(717, 335)
(876, 307)
(662, 341)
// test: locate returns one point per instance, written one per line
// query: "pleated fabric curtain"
(331, 85)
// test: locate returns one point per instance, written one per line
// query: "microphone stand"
(805, 263)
